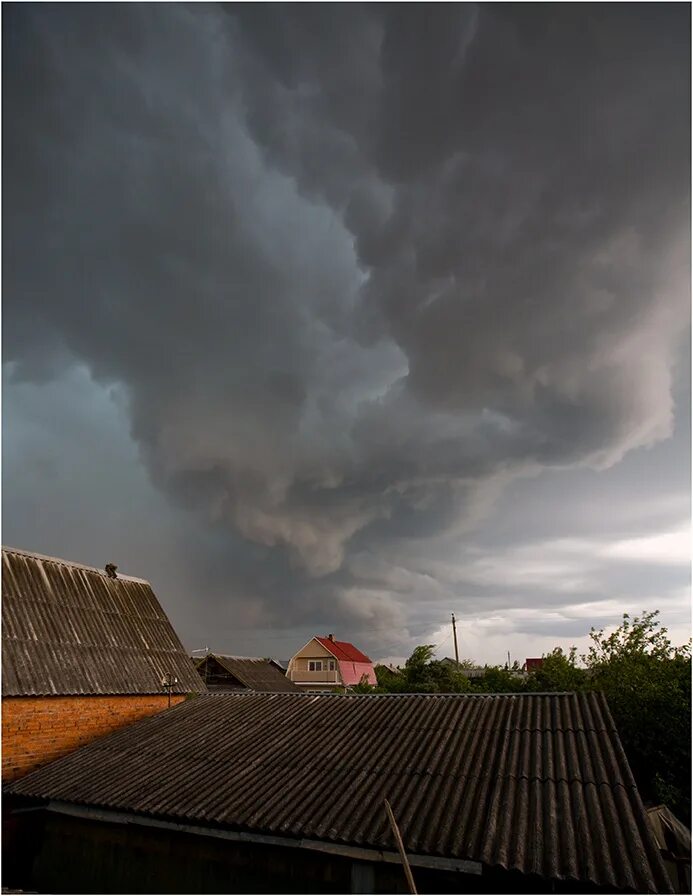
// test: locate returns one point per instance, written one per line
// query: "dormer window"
(315, 665)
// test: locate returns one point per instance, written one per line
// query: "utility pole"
(454, 633)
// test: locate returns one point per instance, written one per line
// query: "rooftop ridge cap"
(467, 695)
(337, 641)
(36, 556)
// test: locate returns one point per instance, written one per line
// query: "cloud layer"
(352, 270)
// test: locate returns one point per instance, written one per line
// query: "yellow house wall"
(298, 667)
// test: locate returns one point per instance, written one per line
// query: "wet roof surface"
(536, 783)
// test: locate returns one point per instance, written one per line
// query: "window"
(315, 665)
(332, 666)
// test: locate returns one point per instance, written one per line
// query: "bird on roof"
(111, 570)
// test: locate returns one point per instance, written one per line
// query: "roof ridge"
(45, 557)
(440, 696)
(352, 653)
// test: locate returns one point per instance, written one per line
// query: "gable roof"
(70, 629)
(343, 650)
(533, 782)
(255, 673)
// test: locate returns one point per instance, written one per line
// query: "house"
(220, 672)
(83, 652)
(262, 793)
(533, 664)
(325, 664)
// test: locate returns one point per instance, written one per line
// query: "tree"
(390, 681)
(498, 680)
(421, 675)
(447, 679)
(647, 683)
(424, 675)
(558, 672)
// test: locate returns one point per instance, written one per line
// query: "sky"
(341, 318)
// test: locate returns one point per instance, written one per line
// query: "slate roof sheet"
(536, 783)
(255, 673)
(70, 629)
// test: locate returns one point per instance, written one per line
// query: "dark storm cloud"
(354, 267)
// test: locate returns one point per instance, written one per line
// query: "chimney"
(330, 637)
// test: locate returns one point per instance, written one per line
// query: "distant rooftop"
(252, 672)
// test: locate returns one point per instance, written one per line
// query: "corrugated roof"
(70, 629)
(537, 783)
(343, 650)
(255, 673)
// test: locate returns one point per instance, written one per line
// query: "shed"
(285, 793)
(83, 653)
(221, 672)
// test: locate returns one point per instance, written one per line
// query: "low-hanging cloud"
(354, 268)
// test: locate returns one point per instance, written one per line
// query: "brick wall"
(36, 730)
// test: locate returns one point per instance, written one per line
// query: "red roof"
(532, 663)
(343, 650)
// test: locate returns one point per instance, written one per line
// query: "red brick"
(37, 730)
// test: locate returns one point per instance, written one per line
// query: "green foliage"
(364, 688)
(418, 660)
(390, 681)
(559, 672)
(421, 675)
(647, 683)
(447, 679)
(639, 638)
(498, 680)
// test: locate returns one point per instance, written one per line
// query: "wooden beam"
(400, 847)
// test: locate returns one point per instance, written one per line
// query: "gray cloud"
(352, 269)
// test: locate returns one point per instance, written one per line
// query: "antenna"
(168, 682)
